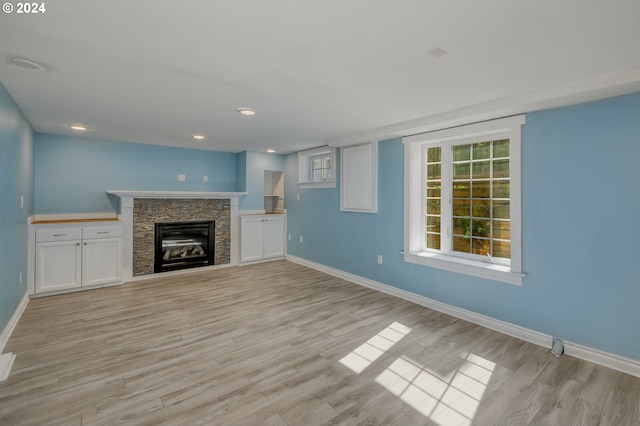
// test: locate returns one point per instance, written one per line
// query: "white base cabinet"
(262, 237)
(73, 258)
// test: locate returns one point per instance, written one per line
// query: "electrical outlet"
(301, 239)
(289, 237)
(182, 178)
(379, 260)
(22, 202)
(205, 179)
(297, 197)
(20, 277)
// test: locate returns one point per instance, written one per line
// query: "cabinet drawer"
(61, 234)
(101, 232)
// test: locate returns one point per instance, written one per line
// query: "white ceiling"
(316, 71)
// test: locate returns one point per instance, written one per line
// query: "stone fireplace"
(141, 210)
(149, 211)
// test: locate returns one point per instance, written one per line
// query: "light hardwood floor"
(281, 344)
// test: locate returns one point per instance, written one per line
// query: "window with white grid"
(462, 205)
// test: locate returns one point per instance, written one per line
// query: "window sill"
(490, 271)
(318, 184)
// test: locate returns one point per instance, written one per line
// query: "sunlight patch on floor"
(450, 400)
(361, 357)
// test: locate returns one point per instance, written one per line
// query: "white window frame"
(305, 177)
(414, 186)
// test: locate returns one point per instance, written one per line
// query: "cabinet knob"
(85, 244)
(77, 244)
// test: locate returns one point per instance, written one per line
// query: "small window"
(316, 168)
(320, 166)
(463, 199)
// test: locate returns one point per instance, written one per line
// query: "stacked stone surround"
(148, 211)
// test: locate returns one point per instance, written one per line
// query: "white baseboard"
(11, 325)
(6, 362)
(606, 359)
(625, 365)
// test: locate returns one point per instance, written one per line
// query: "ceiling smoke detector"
(437, 52)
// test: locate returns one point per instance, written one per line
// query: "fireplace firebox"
(181, 245)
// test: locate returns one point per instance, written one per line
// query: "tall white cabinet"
(262, 237)
(70, 258)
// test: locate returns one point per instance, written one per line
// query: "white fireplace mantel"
(126, 216)
(174, 194)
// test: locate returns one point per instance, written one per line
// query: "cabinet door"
(58, 265)
(252, 239)
(359, 180)
(273, 237)
(101, 261)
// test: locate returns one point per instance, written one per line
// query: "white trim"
(414, 209)
(590, 89)
(366, 176)
(616, 362)
(319, 184)
(13, 321)
(174, 194)
(6, 362)
(489, 271)
(304, 181)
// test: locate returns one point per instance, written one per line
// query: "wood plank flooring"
(281, 344)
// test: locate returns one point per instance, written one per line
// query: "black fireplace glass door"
(183, 245)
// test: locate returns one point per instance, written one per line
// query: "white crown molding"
(596, 356)
(601, 87)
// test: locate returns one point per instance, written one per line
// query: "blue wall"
(16, 180)
(581, 243)
(72, 173)
(255, 165)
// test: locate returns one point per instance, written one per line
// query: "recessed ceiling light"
(246, 111)
(198, 137)
(271, 150)
(26, 64)
(78, 127)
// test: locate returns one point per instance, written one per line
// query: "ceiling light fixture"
(271, 150)
(246, 111)
(198, 137)
(78, 127)
(25, 63)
